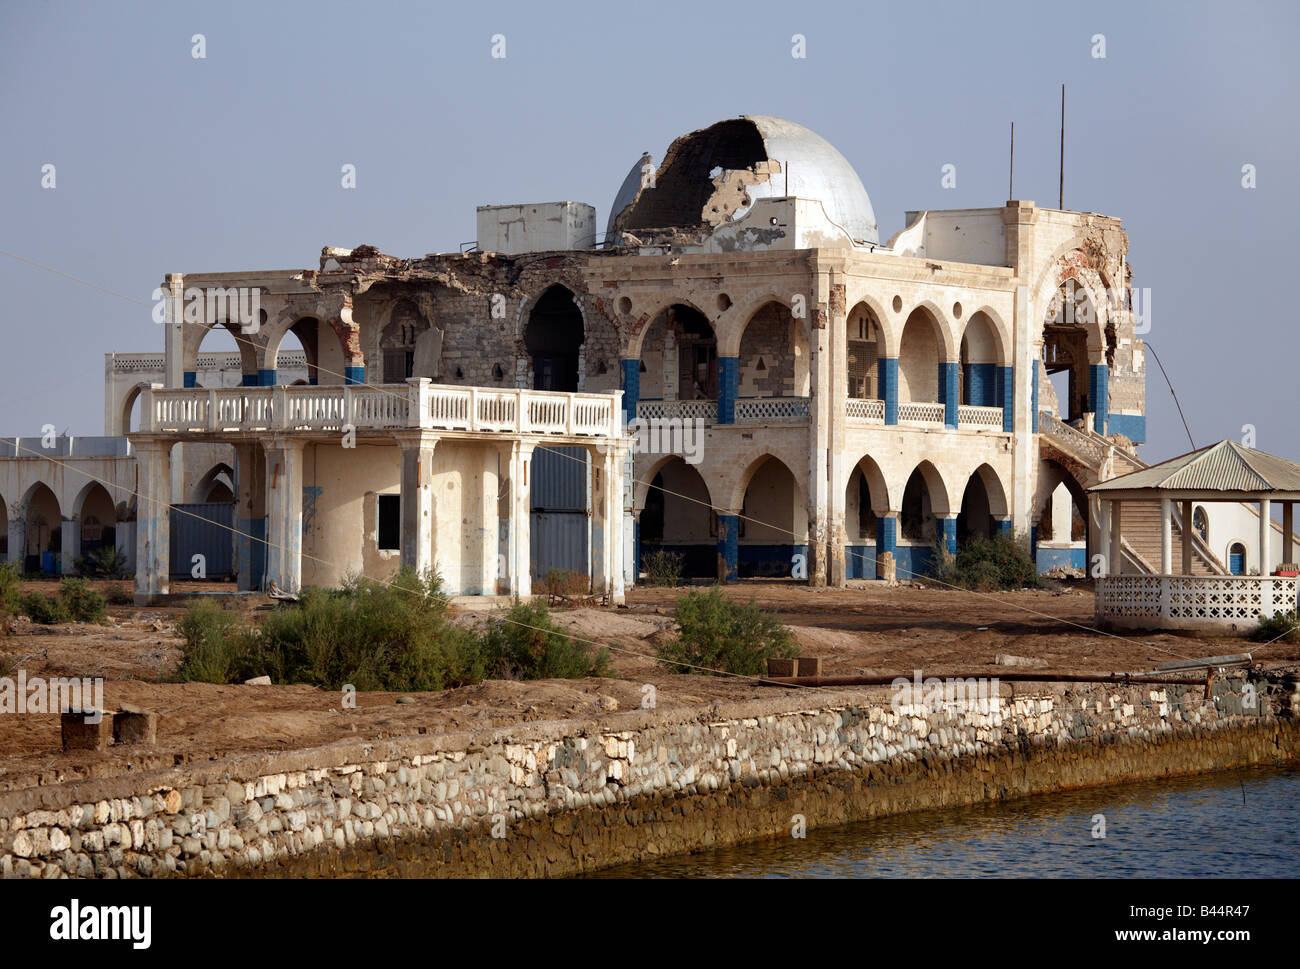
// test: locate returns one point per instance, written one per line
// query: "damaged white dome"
(713, 176)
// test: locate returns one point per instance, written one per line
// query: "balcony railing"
(920, 413)
(705, 410)
(419, 404)
(969, 415)
(861, 409)
(771, 409)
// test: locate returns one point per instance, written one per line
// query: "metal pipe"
(1001, 678)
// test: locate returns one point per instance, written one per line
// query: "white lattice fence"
(706, 410)
(772, 409)
(924, 413)
(970, 416)
(1187, 601)
(862, 409)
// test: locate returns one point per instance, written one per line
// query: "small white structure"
(1223, 472)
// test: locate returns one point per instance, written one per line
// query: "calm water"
(1236, 824)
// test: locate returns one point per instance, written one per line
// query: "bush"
(987, 564)
(717, 634)
(84, 604)
(562, 582)
(527, 645)
(106, 562)
(119, 594)
(11, 594)
(46, 610)
(663, 568)
(1281, 626)
(218, 648)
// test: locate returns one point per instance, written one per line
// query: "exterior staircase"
(1140, 521)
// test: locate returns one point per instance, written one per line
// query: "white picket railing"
(417, 404)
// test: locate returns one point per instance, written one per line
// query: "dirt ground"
(865, 629)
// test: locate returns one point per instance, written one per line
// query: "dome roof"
(714, 175)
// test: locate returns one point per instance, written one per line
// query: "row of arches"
(679, 511)
(41, 536)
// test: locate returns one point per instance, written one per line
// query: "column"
(284, 513)
(1265, 534)
(1166, 537)
(607, 526)
(153, 521)
(266, 378)
(1002, 526)
(1006, 396)
(631, 388)
(948, 528)
(519, 551)
(1187, 538)
(1287, 525)
(728, 546)
(1115, 566)
(18, 536)
(1102, 544)
(250, 517)
(1098, 395)
(887, 372)
(1033, 397)
(728, 388)
(886, 537)
(70, 535)
(948, 392)
(417, 542)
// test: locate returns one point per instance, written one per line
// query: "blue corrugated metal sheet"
(202, 529)
(559, 479)
(559, 540)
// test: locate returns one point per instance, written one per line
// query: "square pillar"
(1006, 396)
(1288, 524)
(607, 524)
(18, 536)
(887, 372)
(517, 534)
(153, 521)
(1101, 546)
(631, 388)
(250, 517)
(1115, 566)
(728, 388)
(70, 540)
(1166, 536)
(1098, 395)
(948, 393)
(728, 546)
(284, 513)
(886, 537)
(417, 500)
(1265, 534)
(1187, 538)
(948, 528)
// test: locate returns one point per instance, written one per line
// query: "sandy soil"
(864, 629)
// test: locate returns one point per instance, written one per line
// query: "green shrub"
(106, 562)
(1281, 626)
(218, 647)
(46, 610)
(663, 568)
(527, 645)
(717, 634)
(119, 594)
(986, 564)
(11, 594)
(83, 603)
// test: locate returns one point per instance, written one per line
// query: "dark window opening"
(390, 523)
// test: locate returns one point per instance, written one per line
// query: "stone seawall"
(565, 797)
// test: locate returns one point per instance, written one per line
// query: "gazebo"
(1223, 472)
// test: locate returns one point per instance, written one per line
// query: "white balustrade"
(920, 413)
(772, 409)
(862, 409)
(705, 410)
(1224, 603)
(969, 415)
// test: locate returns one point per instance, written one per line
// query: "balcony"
(417, 404)
(687, 410)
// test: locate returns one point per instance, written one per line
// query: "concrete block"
(780, 667)
(808, 666)
(135, 727)
(80, 735)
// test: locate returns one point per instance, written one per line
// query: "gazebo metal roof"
(1227, 467)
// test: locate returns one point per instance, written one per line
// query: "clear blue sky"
(166, 163)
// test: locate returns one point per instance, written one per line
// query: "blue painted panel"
(250, 554)
(354, 375)
(1007, 394)
(1237, 563)
(887, 371)
(886, 536)
(631, 387)
(266, 378)
(949, 526)
(913, 560)
(1132, 426)
(981, 385)
(860, 561)
(190, 378)
(1098, 394)
(948, 392)
(728, 388)
(729, 543)
(769, 561)
(249, 380)
(1069, 558)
